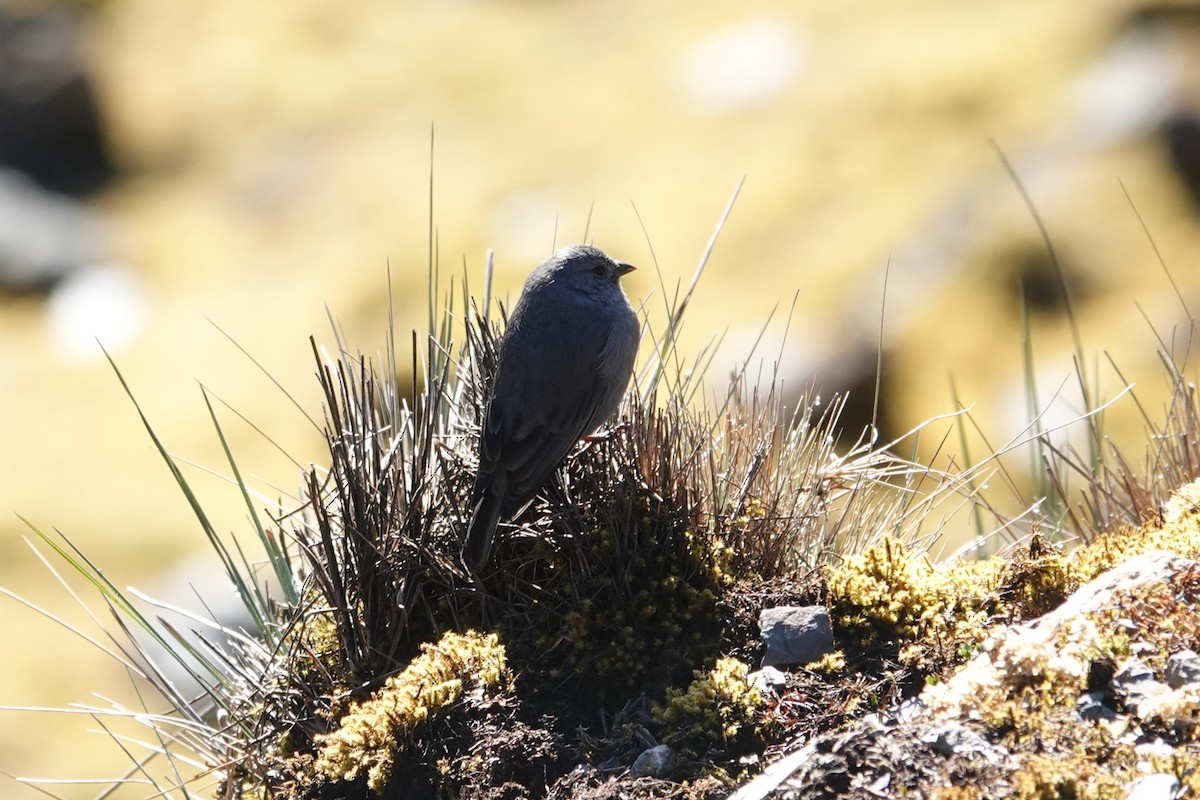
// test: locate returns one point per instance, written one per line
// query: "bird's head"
(585, 268)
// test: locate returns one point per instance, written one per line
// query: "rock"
(766, 783)
(954, 739)
(97, 302)
(1169, 700)
(795, 635)
(1148, 699)
(653, 763)
(1100, 674)
(940, 738)
(1155, 749)
(1160, 786)
(51, 126)
(1183, 668)
(767, 679)
(1130, 673)
(908, 711)
(1093, 706)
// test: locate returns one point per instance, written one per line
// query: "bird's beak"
(624, 269)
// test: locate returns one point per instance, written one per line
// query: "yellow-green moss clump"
(366, 741)
(718, 710)
(934, 615)
(1178, 531)
(315, 653)
(888, 596)
(643, 608)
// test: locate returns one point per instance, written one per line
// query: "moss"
(1030, 704)
(1182, 505)
(830, 663)
(718, 710)
(1178, 531)
(933, 617)
(955, 793)
(316, 652)
(1055, 777)
(366, 740)
(892, 598)
(1036, 579)
(643, 610)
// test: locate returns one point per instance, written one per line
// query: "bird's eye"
(598, 270)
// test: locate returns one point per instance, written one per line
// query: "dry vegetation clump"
(605, 597)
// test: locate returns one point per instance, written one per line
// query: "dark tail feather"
(485, 516)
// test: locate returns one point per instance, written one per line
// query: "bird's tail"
(485, 516)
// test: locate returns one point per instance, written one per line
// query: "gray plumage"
(564, 362)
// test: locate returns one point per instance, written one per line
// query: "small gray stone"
(908, 711)
(1131, 672)
(1148, 750)
(1146, 698)
(1092, 707)
(954, 739)
(1126, 626)
(795, 635)
(767, 679)
(653, 763)
(1160, 786)
(1183, 669)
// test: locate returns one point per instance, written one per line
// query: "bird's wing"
(536, 418)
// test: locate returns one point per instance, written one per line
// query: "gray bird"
(564, 362)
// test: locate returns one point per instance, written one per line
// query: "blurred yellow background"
(274, 164)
